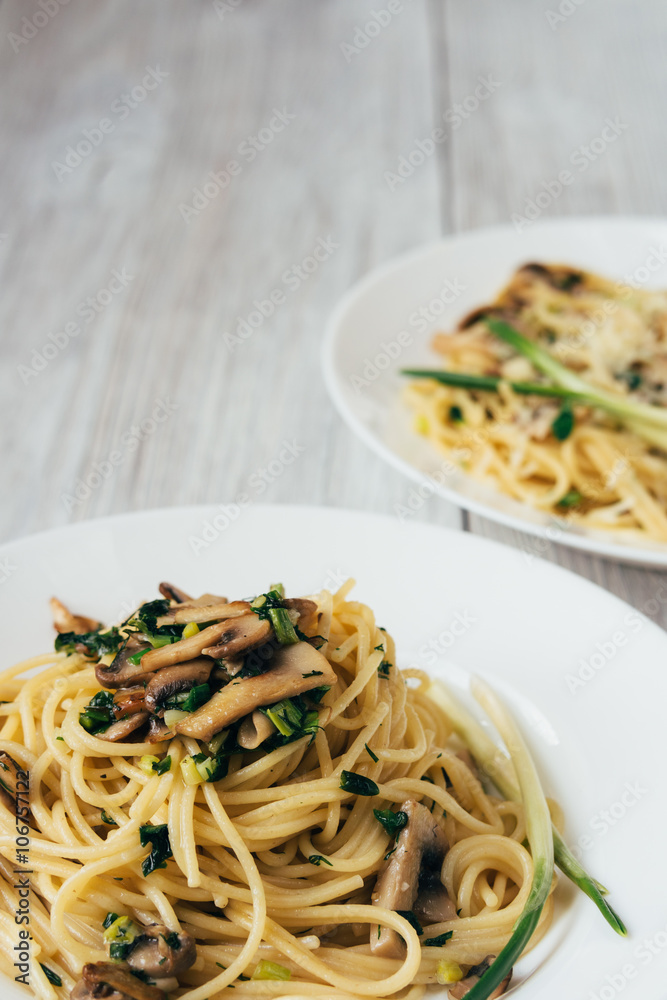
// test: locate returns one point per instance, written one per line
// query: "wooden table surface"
(166, 166)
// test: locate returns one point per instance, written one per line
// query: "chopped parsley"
(319, 859)
(162, 766)
(370, 753)
(437, 942)
(456, 414)
(358, 784)
(109, 820)
(51, 976)
(392, 821)
(97, 643)
(563, 424)
(188, 701)
(412, 920)
(98, 715)
(109, 920)
(384, 668)
(158, 838)
(570, 499)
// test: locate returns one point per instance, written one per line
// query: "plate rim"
(625, 553)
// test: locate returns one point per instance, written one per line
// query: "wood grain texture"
(149, 392)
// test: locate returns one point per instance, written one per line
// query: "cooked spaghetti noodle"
(273, 863)
(601, 475)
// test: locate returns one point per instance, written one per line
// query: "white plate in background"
(377, 329)
(583, 672)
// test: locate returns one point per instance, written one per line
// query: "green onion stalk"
(496, 765)
(650, 422)
(538, 831)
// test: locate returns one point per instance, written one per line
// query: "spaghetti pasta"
(591, 471)
(270, 868)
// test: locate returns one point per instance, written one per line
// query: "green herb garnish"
(358, 784)
(158, 838)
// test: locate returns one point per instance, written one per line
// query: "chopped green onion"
(271, 970)
(412, 920)
(158, 838)
(447, 972)
(98, 714)
(146, 764)
(174, 715)
(358, 784)
(217, 743)
(571, 499)
(282, 626)
(191, 772)
(120, 935)
(190, 629)
(277, 588)
(189, 701)
(109, 919)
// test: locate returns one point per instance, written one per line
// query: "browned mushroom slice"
(119, 731)
(182, 615)
(173, 593)
(241, 635)
(464, 986)
(254, 730)
(127, 701)
(65, 621)
(161, 953)
(120, 672)
(307, 610)
(188, 649)
(158, 732)
(293, 670)
(170, 680)
(112, 982)
(419, 854)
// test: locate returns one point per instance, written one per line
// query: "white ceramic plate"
(377, 329)
(584, 674)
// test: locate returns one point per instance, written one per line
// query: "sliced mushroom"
(120, 672)
(418, 857)
(65, 621)
(167, 682)
(254, 730)
(294, 670)
(118, 731)
(433, 905)
(307, 610)
(127, 701)
(188, 649)
(158, 732)
(112, 982)
(464, 986)
(240, 636)
(182, 615)
(173, 593)
(161, 953)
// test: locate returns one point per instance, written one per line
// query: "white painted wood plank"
(329, 122)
